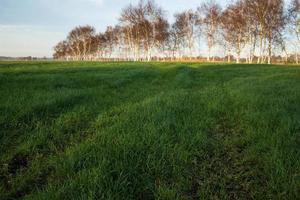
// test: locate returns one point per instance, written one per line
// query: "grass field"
(149, 131)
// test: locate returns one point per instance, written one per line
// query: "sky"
(33, 27)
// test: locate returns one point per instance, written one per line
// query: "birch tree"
(294, 19)
(235, 27)
(186, 27)
(210, 13)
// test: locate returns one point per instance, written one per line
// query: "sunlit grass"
(149, 131)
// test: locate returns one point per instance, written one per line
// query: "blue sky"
(33, 27)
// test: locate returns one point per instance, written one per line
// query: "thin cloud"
(97, 2)
(28, 40)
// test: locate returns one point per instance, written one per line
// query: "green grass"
(149, 131)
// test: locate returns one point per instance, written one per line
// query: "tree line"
(248, 30)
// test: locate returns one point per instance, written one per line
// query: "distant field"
(87, 130)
